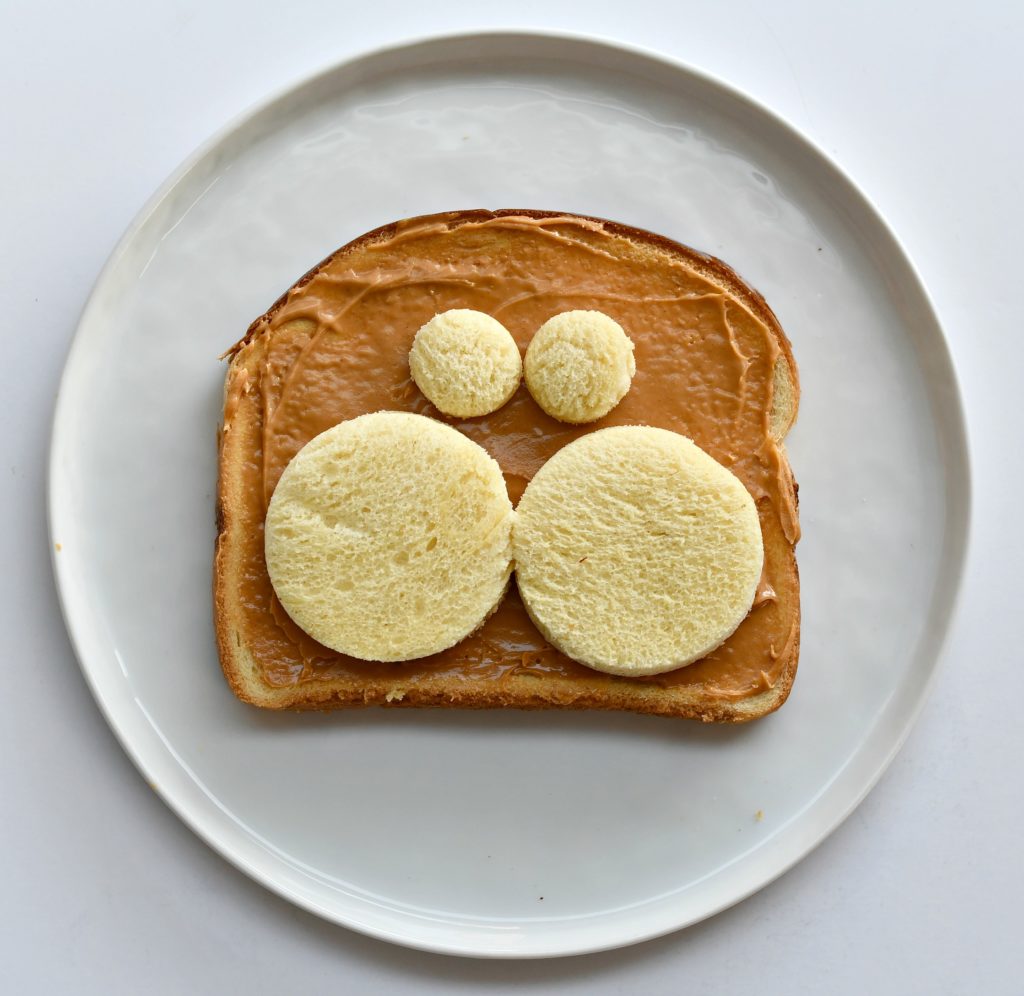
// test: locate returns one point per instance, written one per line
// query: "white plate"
(505, 833)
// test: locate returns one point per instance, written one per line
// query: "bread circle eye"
(579, 366)
(466, 363)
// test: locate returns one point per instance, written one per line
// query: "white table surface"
(105, 891)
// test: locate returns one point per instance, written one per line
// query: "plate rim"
(958, 514)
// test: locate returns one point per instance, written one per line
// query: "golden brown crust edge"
(520, 691)
(517, 691)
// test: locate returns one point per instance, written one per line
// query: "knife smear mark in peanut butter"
(337, 348)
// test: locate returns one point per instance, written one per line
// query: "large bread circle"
(636, 552)
(388, 537)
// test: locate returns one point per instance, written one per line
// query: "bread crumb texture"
(389, 537)
(466, 363)
(579, 366)
(636, 552)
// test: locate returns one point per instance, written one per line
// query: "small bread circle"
(466, 363)
(636, 552)
(389, 537)
(579, 366)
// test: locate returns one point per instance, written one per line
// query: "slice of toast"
(712, 363)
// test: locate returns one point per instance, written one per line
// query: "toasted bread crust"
(238, 439)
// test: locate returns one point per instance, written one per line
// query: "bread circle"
(466, 363)
(579, 366)
(388, 537)
(636, 552)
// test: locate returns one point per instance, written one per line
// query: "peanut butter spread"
(337, 346)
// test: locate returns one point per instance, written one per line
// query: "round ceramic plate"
(507, 833)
